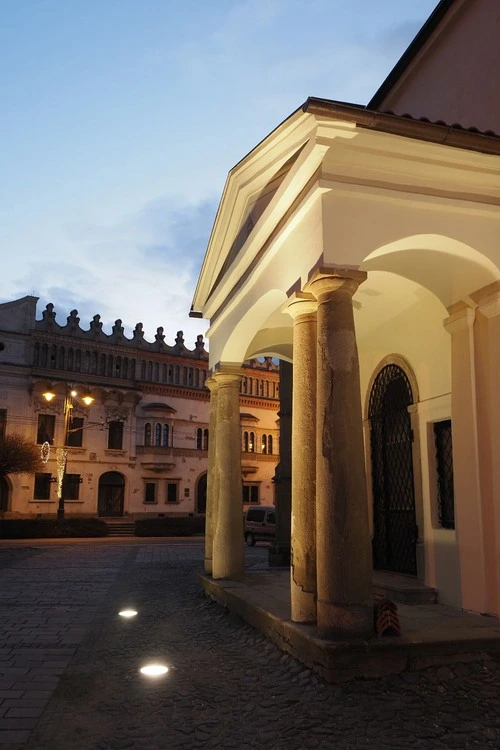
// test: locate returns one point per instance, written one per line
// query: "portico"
(344, 241)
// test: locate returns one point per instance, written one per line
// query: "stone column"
(302, 307)
(228, 559)
(211, 507)
(466, 457)
(486, 339)
(343, 558)
(279, 550)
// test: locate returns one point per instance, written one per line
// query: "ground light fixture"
(127, 613)
(154, 670)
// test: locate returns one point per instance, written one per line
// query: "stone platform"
(432, 634)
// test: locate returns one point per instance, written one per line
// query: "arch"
(426, 260)
(201, 493)
(165, 435)
(111, 494)
(147, 433)
(403, 364)
(393, 487)
(259, 314)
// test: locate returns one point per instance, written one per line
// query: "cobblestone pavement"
(228, 686)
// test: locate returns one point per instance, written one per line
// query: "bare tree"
(18, 455)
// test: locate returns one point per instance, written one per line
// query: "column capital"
(488, 300)
(226, 373)
(461, 318)
(325, 280)
(301, 303)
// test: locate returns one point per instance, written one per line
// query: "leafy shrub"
(31, 528)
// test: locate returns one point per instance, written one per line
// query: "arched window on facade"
(205, 440)
(270, 445)
(45, 354)
(196, 378)
(78, 360)
(176, 375)
(199, 439)
(165, 435)
(110, 372)
(263, 444)
(157, 434)
(251, 442)
(102, 365)
(150, 371)
(164, 374)
(61, 360)
(245, 442)
(36, 354)
(156, 372)
(147, 434)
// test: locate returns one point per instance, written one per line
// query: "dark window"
(199, 439)
(251, 442)
(147, 434)
(3, 423)
(165, 434)
(172, 490)
(271, 516)
(444, 462)
(115, 435)
(74, 437)
(150, 492)
(71, 486)
(205, 440)
(263, 445)
(245, 442)
(46, 427)
(251, 493)
(42, 486)
(158, 434)
(270, 444)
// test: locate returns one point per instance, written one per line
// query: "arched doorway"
(111, 494)
(394, 518)
(201, 494)
(4, 495)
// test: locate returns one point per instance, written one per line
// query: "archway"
(201, 494)
(111, 494)
(4, 495)
(394, 517)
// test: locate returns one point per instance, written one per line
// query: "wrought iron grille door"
(395, 529)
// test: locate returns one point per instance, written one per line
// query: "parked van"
(260, 524)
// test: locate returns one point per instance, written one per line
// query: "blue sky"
(121, 118)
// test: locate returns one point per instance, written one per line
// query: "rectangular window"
(74, 436)
(3, 423)
(251, 493)
(444, 463)
(172, 492)
(71, 486)
(42, 486)
(45, 429)
(115, 435)
(150, 492)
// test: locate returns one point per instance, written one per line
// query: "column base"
(302, 604)
(279, 554)
(344, 622)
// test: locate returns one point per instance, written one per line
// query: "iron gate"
(395, 529)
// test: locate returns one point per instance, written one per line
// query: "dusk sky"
(121, 118)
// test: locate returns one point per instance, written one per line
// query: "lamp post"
(62, 452)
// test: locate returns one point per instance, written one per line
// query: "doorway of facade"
(394, 519)
(111, 494)
(201, 494)
(4, 495)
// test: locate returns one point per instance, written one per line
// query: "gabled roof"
(404, 61)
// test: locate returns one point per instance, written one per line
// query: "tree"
(18, 455)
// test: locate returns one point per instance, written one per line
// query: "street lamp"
(62, 453)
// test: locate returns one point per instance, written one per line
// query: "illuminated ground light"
(127, 613)
(154, 670)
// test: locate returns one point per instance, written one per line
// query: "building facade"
(141, 447)
(362, 247)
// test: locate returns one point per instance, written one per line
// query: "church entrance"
(111, 494)
(395, 529)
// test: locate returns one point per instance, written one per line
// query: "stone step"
(121, 528)
(403, 589)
